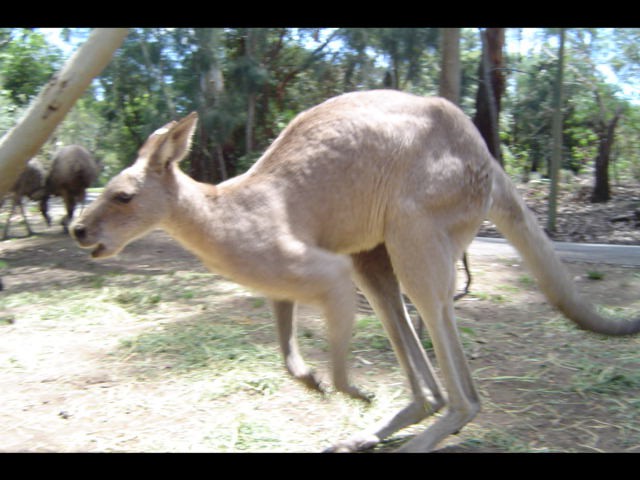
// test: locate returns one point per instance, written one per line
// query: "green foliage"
(627, 147)
(248, 83)
(595, 275)
(27, 62)
(590, 100)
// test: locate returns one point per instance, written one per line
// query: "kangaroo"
(382, 187)
(73, 170)
(31, 184)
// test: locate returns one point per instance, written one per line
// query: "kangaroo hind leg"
(424, 260)
(375, 277)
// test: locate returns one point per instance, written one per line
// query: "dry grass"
(163, 356)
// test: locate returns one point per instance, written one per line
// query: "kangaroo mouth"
(99, 251)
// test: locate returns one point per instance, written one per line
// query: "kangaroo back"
(73, 170)
(514, 220)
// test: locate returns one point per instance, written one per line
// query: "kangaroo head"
(139, 198)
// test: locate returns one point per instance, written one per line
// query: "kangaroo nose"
(79, 231)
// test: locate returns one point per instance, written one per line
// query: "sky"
(522, 43)
(54, 37)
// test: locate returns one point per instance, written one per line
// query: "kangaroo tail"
(518, 224)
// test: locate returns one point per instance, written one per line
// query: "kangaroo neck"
(214, 222)
(193, 214)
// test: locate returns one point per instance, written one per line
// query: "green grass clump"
(605, 380)
(200, 344)
(595, 275)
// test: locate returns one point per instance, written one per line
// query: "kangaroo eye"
(123, 197)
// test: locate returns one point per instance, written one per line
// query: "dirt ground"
(74, 376)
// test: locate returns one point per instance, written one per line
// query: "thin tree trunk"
(251, 101)
(601, 190)
(490, 89)
(556, 156)
(207, 165)
(157, 74)
(251, 115)
(220, 157)
(49, 108)
(450, 69)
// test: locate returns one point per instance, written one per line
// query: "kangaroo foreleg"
(285, 313)
(318, 277)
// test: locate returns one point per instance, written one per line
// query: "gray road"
(626, 255)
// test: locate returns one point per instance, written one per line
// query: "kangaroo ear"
(171, 143)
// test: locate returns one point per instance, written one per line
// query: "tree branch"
(304, 65)
(54, 101)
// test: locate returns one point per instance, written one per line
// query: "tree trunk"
(251, 116)
(26, 138)
(201, 162)
(490, 89)
(450, 67)
(601, 191)
(204, 157)
(156, 72)
(556, 155)
(251, 100)
(222, 166)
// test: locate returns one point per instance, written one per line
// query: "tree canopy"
(247, 83)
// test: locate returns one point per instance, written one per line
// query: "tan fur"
(381, 187)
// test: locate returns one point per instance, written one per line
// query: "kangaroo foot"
(356, 443)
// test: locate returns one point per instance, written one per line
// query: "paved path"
(627, 255)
